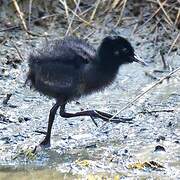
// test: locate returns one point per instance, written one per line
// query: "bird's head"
(119, 50)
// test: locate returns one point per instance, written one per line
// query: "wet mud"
(79, 148)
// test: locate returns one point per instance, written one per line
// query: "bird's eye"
(116, 53)
(124, 49)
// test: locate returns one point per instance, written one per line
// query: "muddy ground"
(79, 148)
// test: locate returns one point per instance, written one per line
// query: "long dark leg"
(94, 114)
(46, 141)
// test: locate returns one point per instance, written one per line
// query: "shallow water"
(108, 149)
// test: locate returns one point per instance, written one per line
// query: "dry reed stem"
(121, 14)
(4, 41)
(165, 64)
(177, 21)
(20, 15)
(156, 111)
(151, 17)
(95, 9)
(84, 21)
(29, 14)
(165, 13)
(17, 49)
(77, 5)
(66, 9)
(85, 11)
(115, 3)
(23, 21)
(72, 19)
(174, 42)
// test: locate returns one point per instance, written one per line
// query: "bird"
(70, 68)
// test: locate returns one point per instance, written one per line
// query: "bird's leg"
(94, 114)
(46, 141)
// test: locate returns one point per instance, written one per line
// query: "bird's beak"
(137, 59)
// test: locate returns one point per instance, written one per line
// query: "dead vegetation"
(77, 13)
(74, 15)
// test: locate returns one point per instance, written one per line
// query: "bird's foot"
(94, 121)
(122, 120)
(115, 119)
(43, 145)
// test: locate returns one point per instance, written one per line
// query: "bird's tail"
(30, 80)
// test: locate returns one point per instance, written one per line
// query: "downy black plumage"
(70, 68)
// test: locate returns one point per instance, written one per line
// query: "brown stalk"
(84, 21)
(30, 10)
(122, 11)
(72, 19)
(20, 15)
(23, 21)
(95, 9)
(174, 42)
(151, 17)
(177, 21)
(165, 13)
(17, 49)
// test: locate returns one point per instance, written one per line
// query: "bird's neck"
(105, 64)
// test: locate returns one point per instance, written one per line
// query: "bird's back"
(67, 50)
(55, 70)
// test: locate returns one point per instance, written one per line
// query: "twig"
(30, 10)
(122, 11)
(20, 15)
(165, 66)
(7, 98)
(151, 17)
(72, 19)
(133, 23)
(177, 18)
(143, 93)
(76, 3)
(45, 17)
(115, 3)
(40, 132)
(151, 75)
(85, 11)
(66, 9)
(23, 21)
(84, 21)
(10, 28)
(134, 29)
(167, 16)
(17, 49)
(174, 42)
(4, 40)
(95, 9)
(155, 111)
(160, 71)
(33, 21)
(166, 5)
(74, 30)
(90, 34)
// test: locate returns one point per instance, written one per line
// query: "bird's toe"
(122, 120)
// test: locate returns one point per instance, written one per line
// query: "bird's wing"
(70, 51)
(55, 78)
(78, 52)
(58, 64)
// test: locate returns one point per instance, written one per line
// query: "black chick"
(70, 68)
